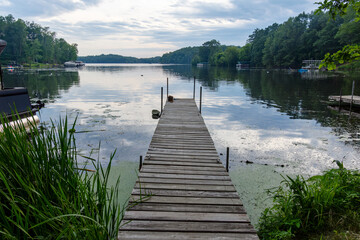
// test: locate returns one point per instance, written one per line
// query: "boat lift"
(17, 99)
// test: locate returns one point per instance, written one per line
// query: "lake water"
(275, 122)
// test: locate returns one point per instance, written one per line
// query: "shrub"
(321, 204)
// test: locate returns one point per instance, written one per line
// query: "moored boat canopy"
(2, 45)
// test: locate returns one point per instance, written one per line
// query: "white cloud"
(5, 3)
(157, 24)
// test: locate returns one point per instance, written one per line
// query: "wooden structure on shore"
(311, 64)
(192, 196)
(346, 99)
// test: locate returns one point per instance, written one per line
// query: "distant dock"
(346, 99)
(192, 194)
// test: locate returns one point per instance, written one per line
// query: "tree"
(348, 53)
(245, 53)
(30, 42)
(257, 41)
(208, 50)
(232, 56)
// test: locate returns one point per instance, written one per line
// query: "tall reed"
(44, 194)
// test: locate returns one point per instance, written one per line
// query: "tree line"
(306, 36)
(28, 42)
(114, 58)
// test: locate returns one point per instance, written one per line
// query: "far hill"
(113, 58)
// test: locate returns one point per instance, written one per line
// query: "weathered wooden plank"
(179, 163)
(186, 216)
(189, 200)
(184, 159)
(182, 176)
(215, 188)
(151, 169)
(141, 235)
(184, 193)
(191, 168)
(171, 207)
(185, 181)
(192, 152)
(178, 157)
(164, 226)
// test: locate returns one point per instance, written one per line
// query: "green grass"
(45, 194)
(323, 207)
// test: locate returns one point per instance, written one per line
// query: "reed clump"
(326, 206)
(45, 194)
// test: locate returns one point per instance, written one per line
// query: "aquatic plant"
(323, 204)
(45, 194)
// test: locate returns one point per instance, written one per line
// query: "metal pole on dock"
(162, 96)
(167, 88)
(140, 163)
(227, 159)
(200, 98)
(194, 89)
(352, 96)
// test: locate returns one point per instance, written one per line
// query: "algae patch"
(252, 182)
(128, 175)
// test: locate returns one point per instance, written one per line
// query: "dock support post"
(140, 163)
(162, 97)
(340, 99)
(167, 88)
(194, 89)
(227, 159)
(352, 96)
(200, 98)
(1, 79)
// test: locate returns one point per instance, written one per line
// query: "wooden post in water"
(352, 96)
(194, 89)
(227, 159)
(162, 97)
(340, 99)
(200, 98)
(140, 163)
(167, 88)
(1, 79)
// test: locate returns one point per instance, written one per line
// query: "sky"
(149, 28)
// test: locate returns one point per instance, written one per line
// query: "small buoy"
(156, 114)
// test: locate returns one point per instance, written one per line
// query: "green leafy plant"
(320, 204)
(349, 53)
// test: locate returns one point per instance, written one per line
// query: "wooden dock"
(346, 99)
(192, 194)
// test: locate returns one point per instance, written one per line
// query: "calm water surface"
(275, 122)
(273, 118)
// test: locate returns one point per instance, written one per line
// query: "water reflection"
(278, 118)
(45, 85)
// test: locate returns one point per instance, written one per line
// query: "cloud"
(36, 8)
(161, 25)
(5, 3)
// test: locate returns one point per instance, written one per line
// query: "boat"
(301, 70)
(70, 64)
(15, 105)
(79, 63)
(74, 64)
